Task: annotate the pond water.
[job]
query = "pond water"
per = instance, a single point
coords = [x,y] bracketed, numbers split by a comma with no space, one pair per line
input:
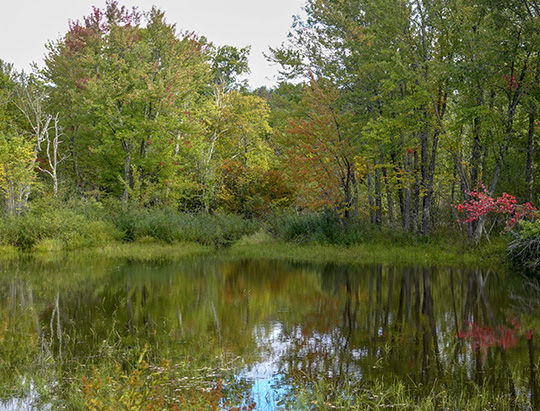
[267,325]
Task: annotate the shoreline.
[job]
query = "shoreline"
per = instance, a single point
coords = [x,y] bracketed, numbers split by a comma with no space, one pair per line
[261,245]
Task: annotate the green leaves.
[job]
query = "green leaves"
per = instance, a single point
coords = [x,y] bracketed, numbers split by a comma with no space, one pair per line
[17,171]
[130,88]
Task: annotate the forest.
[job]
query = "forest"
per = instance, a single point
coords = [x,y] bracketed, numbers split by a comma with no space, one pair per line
[408,117]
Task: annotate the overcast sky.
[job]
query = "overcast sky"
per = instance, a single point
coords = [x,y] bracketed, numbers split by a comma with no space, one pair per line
[27,25]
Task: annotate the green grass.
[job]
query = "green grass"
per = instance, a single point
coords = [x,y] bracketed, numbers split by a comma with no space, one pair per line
[447,252]
[115,231]
[326,394]
[444,251]
[148,251]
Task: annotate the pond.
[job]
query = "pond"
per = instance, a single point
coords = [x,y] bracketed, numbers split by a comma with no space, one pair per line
[221,333]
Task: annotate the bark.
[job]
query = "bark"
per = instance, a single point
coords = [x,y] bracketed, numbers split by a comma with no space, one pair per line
[127,172]
[428,186]
[415,195]
[529,176]
[378,197]
[475,156]
[389,200]
[371,202]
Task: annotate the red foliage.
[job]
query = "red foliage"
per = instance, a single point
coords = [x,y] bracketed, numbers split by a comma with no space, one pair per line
[483,337]
[481,203]
[511,82]
[319,155]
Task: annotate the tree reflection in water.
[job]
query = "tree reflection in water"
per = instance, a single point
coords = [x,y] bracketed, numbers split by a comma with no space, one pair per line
[432,329]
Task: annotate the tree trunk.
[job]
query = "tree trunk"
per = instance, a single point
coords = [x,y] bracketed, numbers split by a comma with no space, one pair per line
[428,186]
[529,176]
[127,173]
[378,197]
[370,195]
[415,195]
[389,200]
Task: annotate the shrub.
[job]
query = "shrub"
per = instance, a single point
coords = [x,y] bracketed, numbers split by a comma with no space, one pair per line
[63,224]
[22,231]
[524,246]
[169,226]
[251,191]
[323,228]
[220,229]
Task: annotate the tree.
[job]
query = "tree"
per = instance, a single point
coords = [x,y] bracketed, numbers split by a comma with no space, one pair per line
[17,171]
[494,71]
[421,75]
[126,90]
[378,55]
[30,98]
[235,127]
[318,153]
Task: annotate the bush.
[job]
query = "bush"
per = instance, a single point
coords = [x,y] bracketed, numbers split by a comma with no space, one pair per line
[71,225]
[324,228]
[168,226]
[220,229]
[524,246]
[67,224]
[22,231]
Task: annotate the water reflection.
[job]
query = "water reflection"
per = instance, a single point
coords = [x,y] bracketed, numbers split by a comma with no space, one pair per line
[287,322]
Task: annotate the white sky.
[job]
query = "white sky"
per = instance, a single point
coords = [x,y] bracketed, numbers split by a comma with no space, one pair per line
[27,25]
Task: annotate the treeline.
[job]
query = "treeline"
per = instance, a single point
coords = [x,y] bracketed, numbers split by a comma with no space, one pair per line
[397,111]
[424,102]
[125,107]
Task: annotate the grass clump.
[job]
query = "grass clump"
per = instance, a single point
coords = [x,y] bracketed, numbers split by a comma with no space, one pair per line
[52,225]
[379,248]
[169,226]
[142,379]
[524,245]
[321,228]
[331,394]
[157,387]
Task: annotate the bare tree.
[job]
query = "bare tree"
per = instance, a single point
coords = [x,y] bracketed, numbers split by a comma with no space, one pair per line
[30,101]
[53,158]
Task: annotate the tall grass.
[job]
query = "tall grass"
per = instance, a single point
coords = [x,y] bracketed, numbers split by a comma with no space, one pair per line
[524,245]
[51,224]
[328,394]
[168,226]
[321,228]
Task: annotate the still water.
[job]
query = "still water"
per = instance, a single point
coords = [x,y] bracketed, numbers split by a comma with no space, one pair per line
[268,325]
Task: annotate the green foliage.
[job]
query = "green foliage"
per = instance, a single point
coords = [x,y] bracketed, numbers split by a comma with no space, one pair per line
[168,226]
[55,224]
[218,229]
[524,246]
[322,228]
[409,105]
[326,394]
[229,62]
[252,191]
[129,89]
[68,224]
[21,231]
[17,170]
